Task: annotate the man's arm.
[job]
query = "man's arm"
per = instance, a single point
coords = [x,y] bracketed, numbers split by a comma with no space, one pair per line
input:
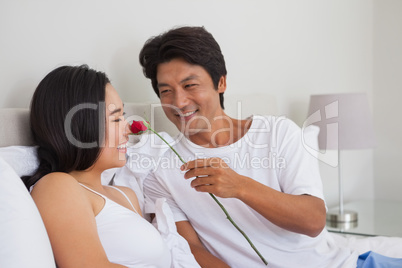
[297,213]
[201,254]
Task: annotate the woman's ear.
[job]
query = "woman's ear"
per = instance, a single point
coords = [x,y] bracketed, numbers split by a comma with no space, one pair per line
[222,84]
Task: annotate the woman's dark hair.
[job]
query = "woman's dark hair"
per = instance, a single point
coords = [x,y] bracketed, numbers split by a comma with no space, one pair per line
[193,44]
[67,120]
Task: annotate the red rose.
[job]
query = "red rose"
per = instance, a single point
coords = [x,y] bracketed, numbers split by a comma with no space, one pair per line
[138,127]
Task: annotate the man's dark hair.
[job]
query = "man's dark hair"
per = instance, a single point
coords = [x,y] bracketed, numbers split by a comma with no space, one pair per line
[195,45]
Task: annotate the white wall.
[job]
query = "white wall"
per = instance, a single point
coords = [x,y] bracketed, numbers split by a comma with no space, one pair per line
[289,48]
[387,98]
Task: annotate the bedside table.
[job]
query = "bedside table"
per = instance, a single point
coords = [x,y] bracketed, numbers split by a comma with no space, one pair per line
[375,218]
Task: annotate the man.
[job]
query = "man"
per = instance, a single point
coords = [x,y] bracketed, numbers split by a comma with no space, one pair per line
[279,206]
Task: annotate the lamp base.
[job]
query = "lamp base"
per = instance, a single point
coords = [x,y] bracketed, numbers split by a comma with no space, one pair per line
[342,226]
[345,217]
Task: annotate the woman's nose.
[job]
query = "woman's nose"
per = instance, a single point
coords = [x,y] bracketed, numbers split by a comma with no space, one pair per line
[126,128]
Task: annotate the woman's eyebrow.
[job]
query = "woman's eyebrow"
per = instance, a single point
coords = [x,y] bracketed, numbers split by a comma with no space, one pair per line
[118,110]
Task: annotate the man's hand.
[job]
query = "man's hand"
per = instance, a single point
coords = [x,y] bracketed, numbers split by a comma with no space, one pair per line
[297,213]
[214,176]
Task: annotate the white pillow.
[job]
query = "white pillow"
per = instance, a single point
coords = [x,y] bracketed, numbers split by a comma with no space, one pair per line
[23,238]
[22,159]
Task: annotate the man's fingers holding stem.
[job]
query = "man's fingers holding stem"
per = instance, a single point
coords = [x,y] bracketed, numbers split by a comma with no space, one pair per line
[215,162]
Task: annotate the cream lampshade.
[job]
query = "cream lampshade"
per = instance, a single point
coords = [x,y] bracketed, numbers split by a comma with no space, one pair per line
[345,124]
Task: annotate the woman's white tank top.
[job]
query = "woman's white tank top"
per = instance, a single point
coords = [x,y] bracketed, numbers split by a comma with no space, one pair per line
[127,238]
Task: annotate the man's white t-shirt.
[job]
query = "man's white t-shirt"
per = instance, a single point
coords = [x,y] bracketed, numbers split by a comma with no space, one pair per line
[272,153]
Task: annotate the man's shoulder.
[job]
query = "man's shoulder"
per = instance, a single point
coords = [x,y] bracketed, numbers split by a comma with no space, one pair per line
[272,124]
[272,120]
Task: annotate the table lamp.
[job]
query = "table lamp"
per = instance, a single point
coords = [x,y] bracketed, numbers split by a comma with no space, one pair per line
[345,124]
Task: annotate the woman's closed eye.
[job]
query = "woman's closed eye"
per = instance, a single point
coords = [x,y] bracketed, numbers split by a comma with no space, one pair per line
[120,118]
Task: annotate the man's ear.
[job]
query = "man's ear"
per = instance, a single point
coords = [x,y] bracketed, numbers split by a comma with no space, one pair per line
[222,84]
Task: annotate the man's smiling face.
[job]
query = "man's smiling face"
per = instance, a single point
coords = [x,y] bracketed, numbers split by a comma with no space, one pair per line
[188,96]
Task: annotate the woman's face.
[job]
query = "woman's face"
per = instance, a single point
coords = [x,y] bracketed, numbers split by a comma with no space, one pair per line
[114,150]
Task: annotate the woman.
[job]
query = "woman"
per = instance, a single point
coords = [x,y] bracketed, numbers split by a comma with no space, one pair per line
[77,122]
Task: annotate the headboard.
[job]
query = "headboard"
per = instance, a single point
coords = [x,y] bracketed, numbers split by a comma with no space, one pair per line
[14,127]
[15,121]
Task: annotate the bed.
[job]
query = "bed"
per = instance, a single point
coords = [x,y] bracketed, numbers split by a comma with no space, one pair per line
[23,238]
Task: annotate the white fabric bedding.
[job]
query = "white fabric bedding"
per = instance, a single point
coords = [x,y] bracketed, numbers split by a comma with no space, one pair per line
[22,160]
[387,246]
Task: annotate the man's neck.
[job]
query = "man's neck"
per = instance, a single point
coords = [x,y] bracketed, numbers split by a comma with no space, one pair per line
[224,132]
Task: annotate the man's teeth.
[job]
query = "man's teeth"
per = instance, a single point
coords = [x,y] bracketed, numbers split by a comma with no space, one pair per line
[189,113]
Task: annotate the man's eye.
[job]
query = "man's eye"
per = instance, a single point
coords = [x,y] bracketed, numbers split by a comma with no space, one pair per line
[164,91]
[190,85]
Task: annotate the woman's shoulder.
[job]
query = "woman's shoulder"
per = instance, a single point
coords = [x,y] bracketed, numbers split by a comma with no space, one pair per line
[56,182]
[57,178]
[61,193]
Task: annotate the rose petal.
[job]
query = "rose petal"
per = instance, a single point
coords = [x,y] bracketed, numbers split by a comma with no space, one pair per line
[138,127]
